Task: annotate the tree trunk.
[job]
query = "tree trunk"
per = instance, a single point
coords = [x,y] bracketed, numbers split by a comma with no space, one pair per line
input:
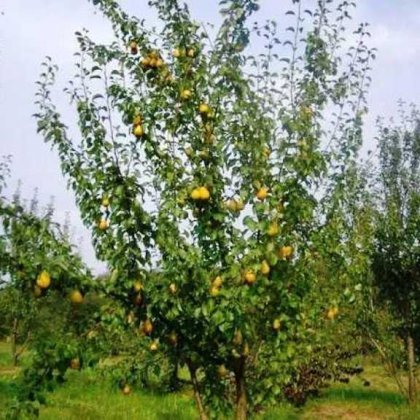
[411,369]
[197,395]
[13,341]
[241,401]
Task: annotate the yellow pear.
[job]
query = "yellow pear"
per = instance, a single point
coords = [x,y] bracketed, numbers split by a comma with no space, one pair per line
[75,364]
[147,327]
[237,338]
[130,317]
[44,280]
[105,202]
[133,47]
[204,109]
[186,94]
[138,130]
[234,205]
[76,297]
[273,229]
[267,152]
[230,205]
[173,338]
[332,313]
[204,154]
[217,282]
[196,194]
[265,267]
[276,324]
[286,252]
[145,61]
[137,286]
[204,193]
[103,224]
[126,390]
[222,372]
[250,277]
[262,193]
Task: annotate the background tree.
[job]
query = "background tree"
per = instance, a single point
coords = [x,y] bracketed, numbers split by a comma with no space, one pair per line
[35,250]
[206,166]
[396,262]
[4,175]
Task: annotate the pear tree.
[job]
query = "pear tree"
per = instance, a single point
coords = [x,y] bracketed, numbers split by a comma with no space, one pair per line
[42,293]
[396,257]
[203,160]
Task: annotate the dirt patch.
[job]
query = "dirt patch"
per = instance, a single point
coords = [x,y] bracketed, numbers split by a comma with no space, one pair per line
[8,371]
[343,413]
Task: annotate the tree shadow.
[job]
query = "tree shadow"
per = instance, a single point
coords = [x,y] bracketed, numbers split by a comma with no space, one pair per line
[366,395]
[7,389]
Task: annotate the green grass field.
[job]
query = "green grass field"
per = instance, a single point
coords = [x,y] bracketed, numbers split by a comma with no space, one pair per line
[85,397]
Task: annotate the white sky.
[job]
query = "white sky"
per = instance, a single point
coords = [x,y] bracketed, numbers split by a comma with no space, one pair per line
[32,29]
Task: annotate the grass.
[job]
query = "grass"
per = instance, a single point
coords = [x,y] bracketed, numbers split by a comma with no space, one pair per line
[83,394]
[4,354]
[380,400]
[86,397]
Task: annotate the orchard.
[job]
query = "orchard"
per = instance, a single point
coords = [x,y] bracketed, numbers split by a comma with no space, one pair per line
[218,171]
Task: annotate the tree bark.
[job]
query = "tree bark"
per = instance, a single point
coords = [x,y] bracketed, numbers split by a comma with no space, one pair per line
[241,400]
[197,395]
[411,369]
[13,341]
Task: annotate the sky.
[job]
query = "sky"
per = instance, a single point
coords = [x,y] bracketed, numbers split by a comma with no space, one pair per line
[33,29]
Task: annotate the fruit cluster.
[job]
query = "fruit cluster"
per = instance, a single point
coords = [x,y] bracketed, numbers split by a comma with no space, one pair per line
[200,194]
[152,60]
[183,52]
[138,129]
[43,282]
[103,223]
[234,205]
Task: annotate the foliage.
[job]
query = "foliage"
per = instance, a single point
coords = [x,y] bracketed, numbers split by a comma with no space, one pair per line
[35,244]
[397,257]
[396,260]
[42,275]
[205,176]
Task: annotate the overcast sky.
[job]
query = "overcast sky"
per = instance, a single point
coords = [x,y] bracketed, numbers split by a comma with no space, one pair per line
[32,29]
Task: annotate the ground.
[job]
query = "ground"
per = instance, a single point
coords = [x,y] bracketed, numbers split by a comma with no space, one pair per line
[85,396]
